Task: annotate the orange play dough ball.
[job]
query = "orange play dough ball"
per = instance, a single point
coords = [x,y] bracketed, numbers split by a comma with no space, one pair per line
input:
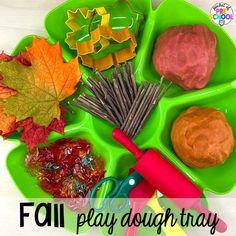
[202,137]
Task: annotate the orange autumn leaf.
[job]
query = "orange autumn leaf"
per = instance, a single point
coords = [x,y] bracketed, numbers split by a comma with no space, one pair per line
[60,78]
[42,85]
[5,91]
[32,84]
[7,124]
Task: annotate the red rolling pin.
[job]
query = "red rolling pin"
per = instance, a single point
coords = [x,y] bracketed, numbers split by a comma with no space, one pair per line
[166,178]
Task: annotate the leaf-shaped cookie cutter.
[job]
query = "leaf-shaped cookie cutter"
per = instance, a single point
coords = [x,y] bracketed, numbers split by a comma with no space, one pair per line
[87,14]
[103,34]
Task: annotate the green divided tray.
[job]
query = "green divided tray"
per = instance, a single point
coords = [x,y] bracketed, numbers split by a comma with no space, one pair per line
[220,93]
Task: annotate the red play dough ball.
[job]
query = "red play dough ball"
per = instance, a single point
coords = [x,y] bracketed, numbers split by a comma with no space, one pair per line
[186,55]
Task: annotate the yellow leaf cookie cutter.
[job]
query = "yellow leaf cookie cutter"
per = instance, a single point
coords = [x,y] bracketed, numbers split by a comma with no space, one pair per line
[87,14]
[103,34]
[112,58]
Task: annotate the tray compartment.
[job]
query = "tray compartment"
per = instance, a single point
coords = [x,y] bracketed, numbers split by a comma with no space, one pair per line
[178,12]
[218,98]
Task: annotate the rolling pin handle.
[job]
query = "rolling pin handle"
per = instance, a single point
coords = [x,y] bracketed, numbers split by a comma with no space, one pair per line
[221,226]
[126,142]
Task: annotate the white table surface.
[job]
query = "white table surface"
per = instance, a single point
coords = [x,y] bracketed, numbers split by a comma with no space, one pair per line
[19,18]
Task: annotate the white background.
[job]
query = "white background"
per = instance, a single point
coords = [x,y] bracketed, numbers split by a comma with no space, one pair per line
[23,17]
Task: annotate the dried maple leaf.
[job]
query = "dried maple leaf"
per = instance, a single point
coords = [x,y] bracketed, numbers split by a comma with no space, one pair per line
[41,86]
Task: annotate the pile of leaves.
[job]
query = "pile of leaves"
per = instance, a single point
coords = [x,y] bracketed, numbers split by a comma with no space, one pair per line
[66,169]
[32,85]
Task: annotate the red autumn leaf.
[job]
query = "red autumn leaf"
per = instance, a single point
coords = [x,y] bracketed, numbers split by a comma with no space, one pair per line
[5,57]
[22,57]
[58,125]
[33,134]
